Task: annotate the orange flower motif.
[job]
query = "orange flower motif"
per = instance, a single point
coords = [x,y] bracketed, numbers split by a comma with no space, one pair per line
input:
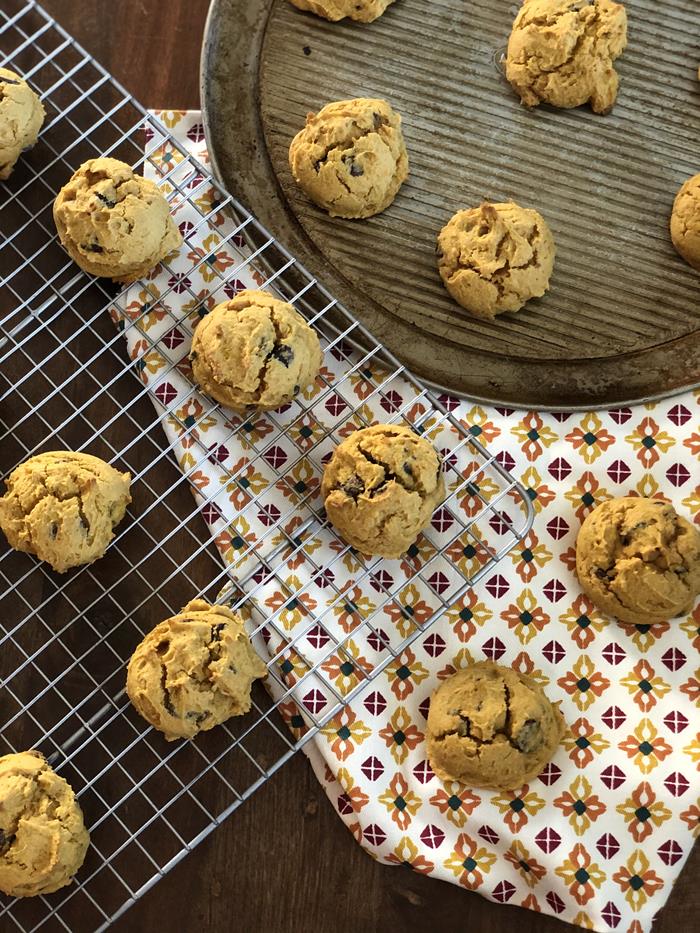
[586,494]
[517,806]
[242,541]
[402,803]
[692,504]
[459,662]
[146,309]
[401,735]
[538,492]
[644,637]
[580,805]
[525,617]
[291,665]
[346,668]
[467,555]
[590,438]
[691,687]
[531,903]
[407,609]
[294,721]
[693,443]
[568,559]
[406,853]
[480,488]
[211,261]
[583,683]
[467,614]
[291,609]
[198,307]
[646,747]
[405,673]
[529,868]
[306,432]
[529,557]
[644,686]
[344,732]
[417,556]
[691,818]
[354,796]
[581,874]
[691,627]
[583,743]
[642,811]
[533,435]
[524,664]
[353,608]
[301,484]
[637,881]
[692,750]
[583,620]
[456,802]
[476,421]
[469,862]
[647,439]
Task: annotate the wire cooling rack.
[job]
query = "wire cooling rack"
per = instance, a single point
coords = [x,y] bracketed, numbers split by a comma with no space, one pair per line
[66,381]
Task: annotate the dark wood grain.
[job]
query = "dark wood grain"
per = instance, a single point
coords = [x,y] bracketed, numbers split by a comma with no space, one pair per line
[283,861]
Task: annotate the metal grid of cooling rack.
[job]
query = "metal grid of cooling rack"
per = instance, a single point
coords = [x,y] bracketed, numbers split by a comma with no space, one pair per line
[66,381]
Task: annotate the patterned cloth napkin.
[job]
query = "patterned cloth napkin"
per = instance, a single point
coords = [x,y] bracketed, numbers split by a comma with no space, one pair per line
[599,837]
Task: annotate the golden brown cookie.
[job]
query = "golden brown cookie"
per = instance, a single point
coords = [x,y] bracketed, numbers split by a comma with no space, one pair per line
[351,158]
[381,487]
[114,223]
[638,560]
[43,839]
[21,117]
[254,350]
[561,52]
[363,11]
[685,222]
[193,671]
[63,507]
[496,257]
[489,726]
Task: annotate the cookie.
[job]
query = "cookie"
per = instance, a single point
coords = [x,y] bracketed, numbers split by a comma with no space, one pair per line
[685,222]
[63,507]
[193,671]
[638,560]
[351,158]
[562,52]
[363,11]
[489,726]
[381,487]
[43,839]
[114,223]
[496,257]
[254,350]
[21,117]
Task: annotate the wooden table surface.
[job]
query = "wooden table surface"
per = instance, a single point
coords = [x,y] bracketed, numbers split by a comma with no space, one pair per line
[284,861]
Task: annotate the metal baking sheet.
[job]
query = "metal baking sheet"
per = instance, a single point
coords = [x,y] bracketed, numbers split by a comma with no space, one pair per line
[622,320]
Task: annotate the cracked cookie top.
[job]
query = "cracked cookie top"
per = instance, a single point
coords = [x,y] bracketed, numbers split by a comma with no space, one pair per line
[489,726]
[254,350]
[114,223]
[362,11]
[638,560]
[561,52]
[381,487]
[43,839]
[495,257]
[21,117]
[63,507]
[193,671]
[685,222]
[351,158]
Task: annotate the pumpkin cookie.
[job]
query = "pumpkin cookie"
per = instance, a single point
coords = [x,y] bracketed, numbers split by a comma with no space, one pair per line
[363,11]
[685,222]
[63,507]
[638,560]
[21,117]
[562,52]
[114,223]
[381,487]
[351,158]
[254,350]
[193,671]
[496,257]
[43,839]
[490,726]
